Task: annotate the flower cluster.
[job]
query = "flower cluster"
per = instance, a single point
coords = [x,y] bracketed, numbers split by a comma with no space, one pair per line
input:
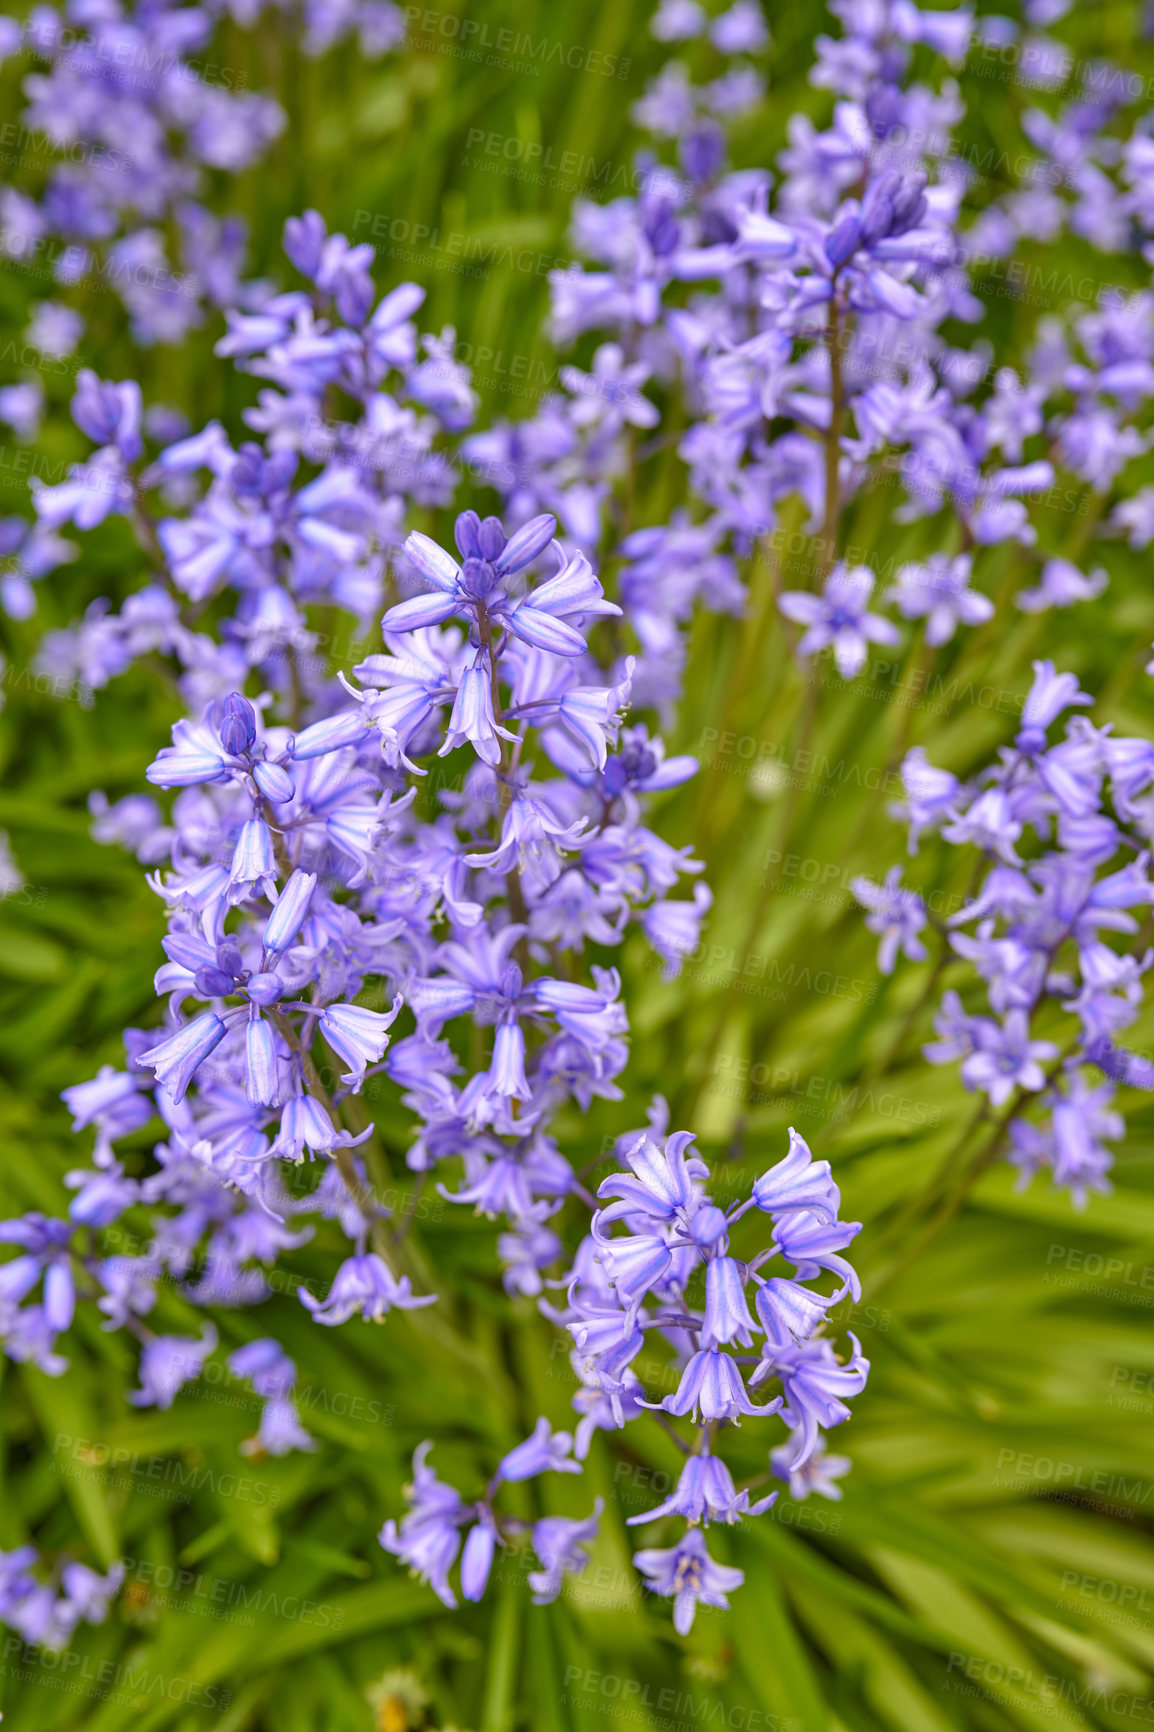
[416,856]
[142,106]
[673,1272]
[1053,927]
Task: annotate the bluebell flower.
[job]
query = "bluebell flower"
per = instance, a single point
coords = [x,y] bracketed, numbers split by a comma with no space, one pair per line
[705,1492]
[177,1059]
[280,1431]
[544,1451]
[558,1542]
[818,1473]
[798,1182]
[839,618]
[688,1573]
[711,1386]
[727,1315]
[1005,1058]
[305,1124]
[788,1311]
[477,1558]
[364,1285]
[1061,585]
[289,912]
[266,1365]
[358,1036]
[896,914]
[168,1362]
[429,1536]
[930,794]
[812,1242]
[988,823]
[817,1388]
[477,586]
[663,1183]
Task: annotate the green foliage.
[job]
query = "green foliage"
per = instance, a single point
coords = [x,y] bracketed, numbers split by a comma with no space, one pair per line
[989,1567]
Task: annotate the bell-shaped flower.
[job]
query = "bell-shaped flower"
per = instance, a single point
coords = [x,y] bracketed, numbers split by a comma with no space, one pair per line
[177,1059]
[711,1386]
[727,1315]
[798,1182]
[358,1036]
[364,1285]
[705,1492]
[688,1573]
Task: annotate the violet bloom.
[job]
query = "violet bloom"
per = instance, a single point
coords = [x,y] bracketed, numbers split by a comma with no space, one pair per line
[817,1473]
[711,1385]
[477,1558]
[167,1363]
[1062,584]
[705,1492]
[938,592]
[1005,1058]
[177,1059]
[1050,694]
[358,1036]
[429,1536]
[688,1573]
[544,1451]
[839,619]
[930,794]
[727,1315]
[558,1542]
[476,589]
[816,1387]
[896,915]
[364,1284]
[797,1181]
[989,824]
[280,1431]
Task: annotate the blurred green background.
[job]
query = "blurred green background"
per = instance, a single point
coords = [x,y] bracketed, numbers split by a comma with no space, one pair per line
[990,1565]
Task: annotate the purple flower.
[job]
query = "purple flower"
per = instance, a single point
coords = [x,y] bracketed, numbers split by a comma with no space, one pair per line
[477,1559]
[1005,1058]
[817,1388]
[558,1542]
[177,1059]
[167,1363]
[938,592]
[896,915]
[727,1315]
[688,1573]
[817,1473]
[364,1285]
[838,618]
[798,1182]
[358,1036]
[711,1385]
[429,1536]
[1062,584]
[704,1493]
[476,589]
[545,1451]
